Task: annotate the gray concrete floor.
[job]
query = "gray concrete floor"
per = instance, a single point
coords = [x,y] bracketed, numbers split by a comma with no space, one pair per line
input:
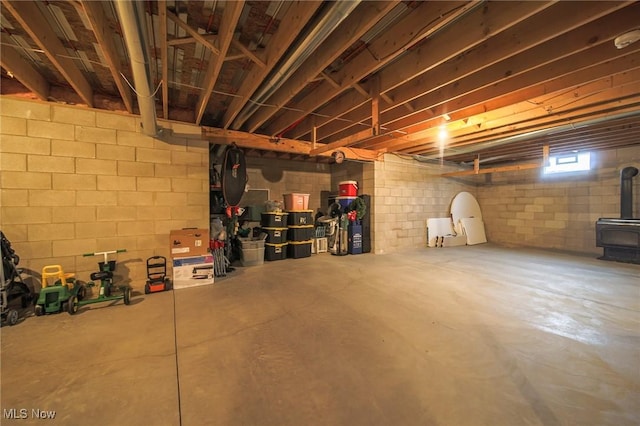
[479,335]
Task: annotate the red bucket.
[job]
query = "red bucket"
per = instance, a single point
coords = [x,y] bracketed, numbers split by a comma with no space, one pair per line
[348,188]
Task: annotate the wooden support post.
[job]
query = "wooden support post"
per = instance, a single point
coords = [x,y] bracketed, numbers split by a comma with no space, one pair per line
[375,106]
[545,155]
[476,165]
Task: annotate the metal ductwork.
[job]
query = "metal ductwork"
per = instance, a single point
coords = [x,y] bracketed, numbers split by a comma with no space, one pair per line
[305,48]
[133,24]
[626,192]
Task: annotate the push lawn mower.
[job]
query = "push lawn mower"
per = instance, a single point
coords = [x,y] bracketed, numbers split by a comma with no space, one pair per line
[105,286]
[157,279]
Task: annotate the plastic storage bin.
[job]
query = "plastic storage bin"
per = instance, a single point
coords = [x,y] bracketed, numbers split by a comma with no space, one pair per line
[249,243]
[276,235]
[300,233]
[275,251]
[296,201]
[300,218]
[252,256]
[299,249]
[274,220]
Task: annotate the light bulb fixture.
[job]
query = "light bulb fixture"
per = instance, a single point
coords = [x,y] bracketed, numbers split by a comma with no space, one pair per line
[627,38]
[443,134]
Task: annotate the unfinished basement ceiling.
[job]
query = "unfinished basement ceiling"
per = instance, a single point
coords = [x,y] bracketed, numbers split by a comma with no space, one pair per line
[303,79]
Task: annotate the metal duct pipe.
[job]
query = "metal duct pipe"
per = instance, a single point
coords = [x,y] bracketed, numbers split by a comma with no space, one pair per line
[626,192]
[133,24]
[320,31]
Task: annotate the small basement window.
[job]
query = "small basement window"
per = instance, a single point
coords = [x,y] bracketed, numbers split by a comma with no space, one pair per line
[575,162]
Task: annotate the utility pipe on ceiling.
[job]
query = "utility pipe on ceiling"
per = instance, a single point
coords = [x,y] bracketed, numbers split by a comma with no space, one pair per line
[312,40]
[134,31]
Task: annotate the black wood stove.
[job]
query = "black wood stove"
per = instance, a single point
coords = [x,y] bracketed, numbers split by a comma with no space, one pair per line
[620,238]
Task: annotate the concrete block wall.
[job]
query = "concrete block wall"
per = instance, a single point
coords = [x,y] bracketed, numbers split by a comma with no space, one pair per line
[284,176]
[406,194]
[77,180]
[560,211]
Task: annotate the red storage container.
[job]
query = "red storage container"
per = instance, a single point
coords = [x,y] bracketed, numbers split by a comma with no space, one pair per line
[348,188]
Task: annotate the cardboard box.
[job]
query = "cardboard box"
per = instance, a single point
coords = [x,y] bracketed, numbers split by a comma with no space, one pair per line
[192,271]
[189,242]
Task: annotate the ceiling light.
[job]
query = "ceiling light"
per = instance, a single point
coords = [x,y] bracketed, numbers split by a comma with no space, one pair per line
[443,134]
[627,38]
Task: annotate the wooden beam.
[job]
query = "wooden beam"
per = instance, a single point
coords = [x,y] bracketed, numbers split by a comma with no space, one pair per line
[545,155]
[234,57]
[413,62]
[20,68]
[330,80]
[531,43]
[104,36]
[339,113]
[540,126]
[553,77]
[350,140]
[291,24]
[539,28]
[350,30]
[249,54]
[383,50]
[189,40]
[523,69]
[36,25]
[164,57]
[582,102]
[375,106]
[553,106]
[193,33]
[228,24]
[266,143]
[314,141]
[500,169]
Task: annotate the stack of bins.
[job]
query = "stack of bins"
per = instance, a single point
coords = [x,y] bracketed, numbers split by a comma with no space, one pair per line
[274,225]
[300,233]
